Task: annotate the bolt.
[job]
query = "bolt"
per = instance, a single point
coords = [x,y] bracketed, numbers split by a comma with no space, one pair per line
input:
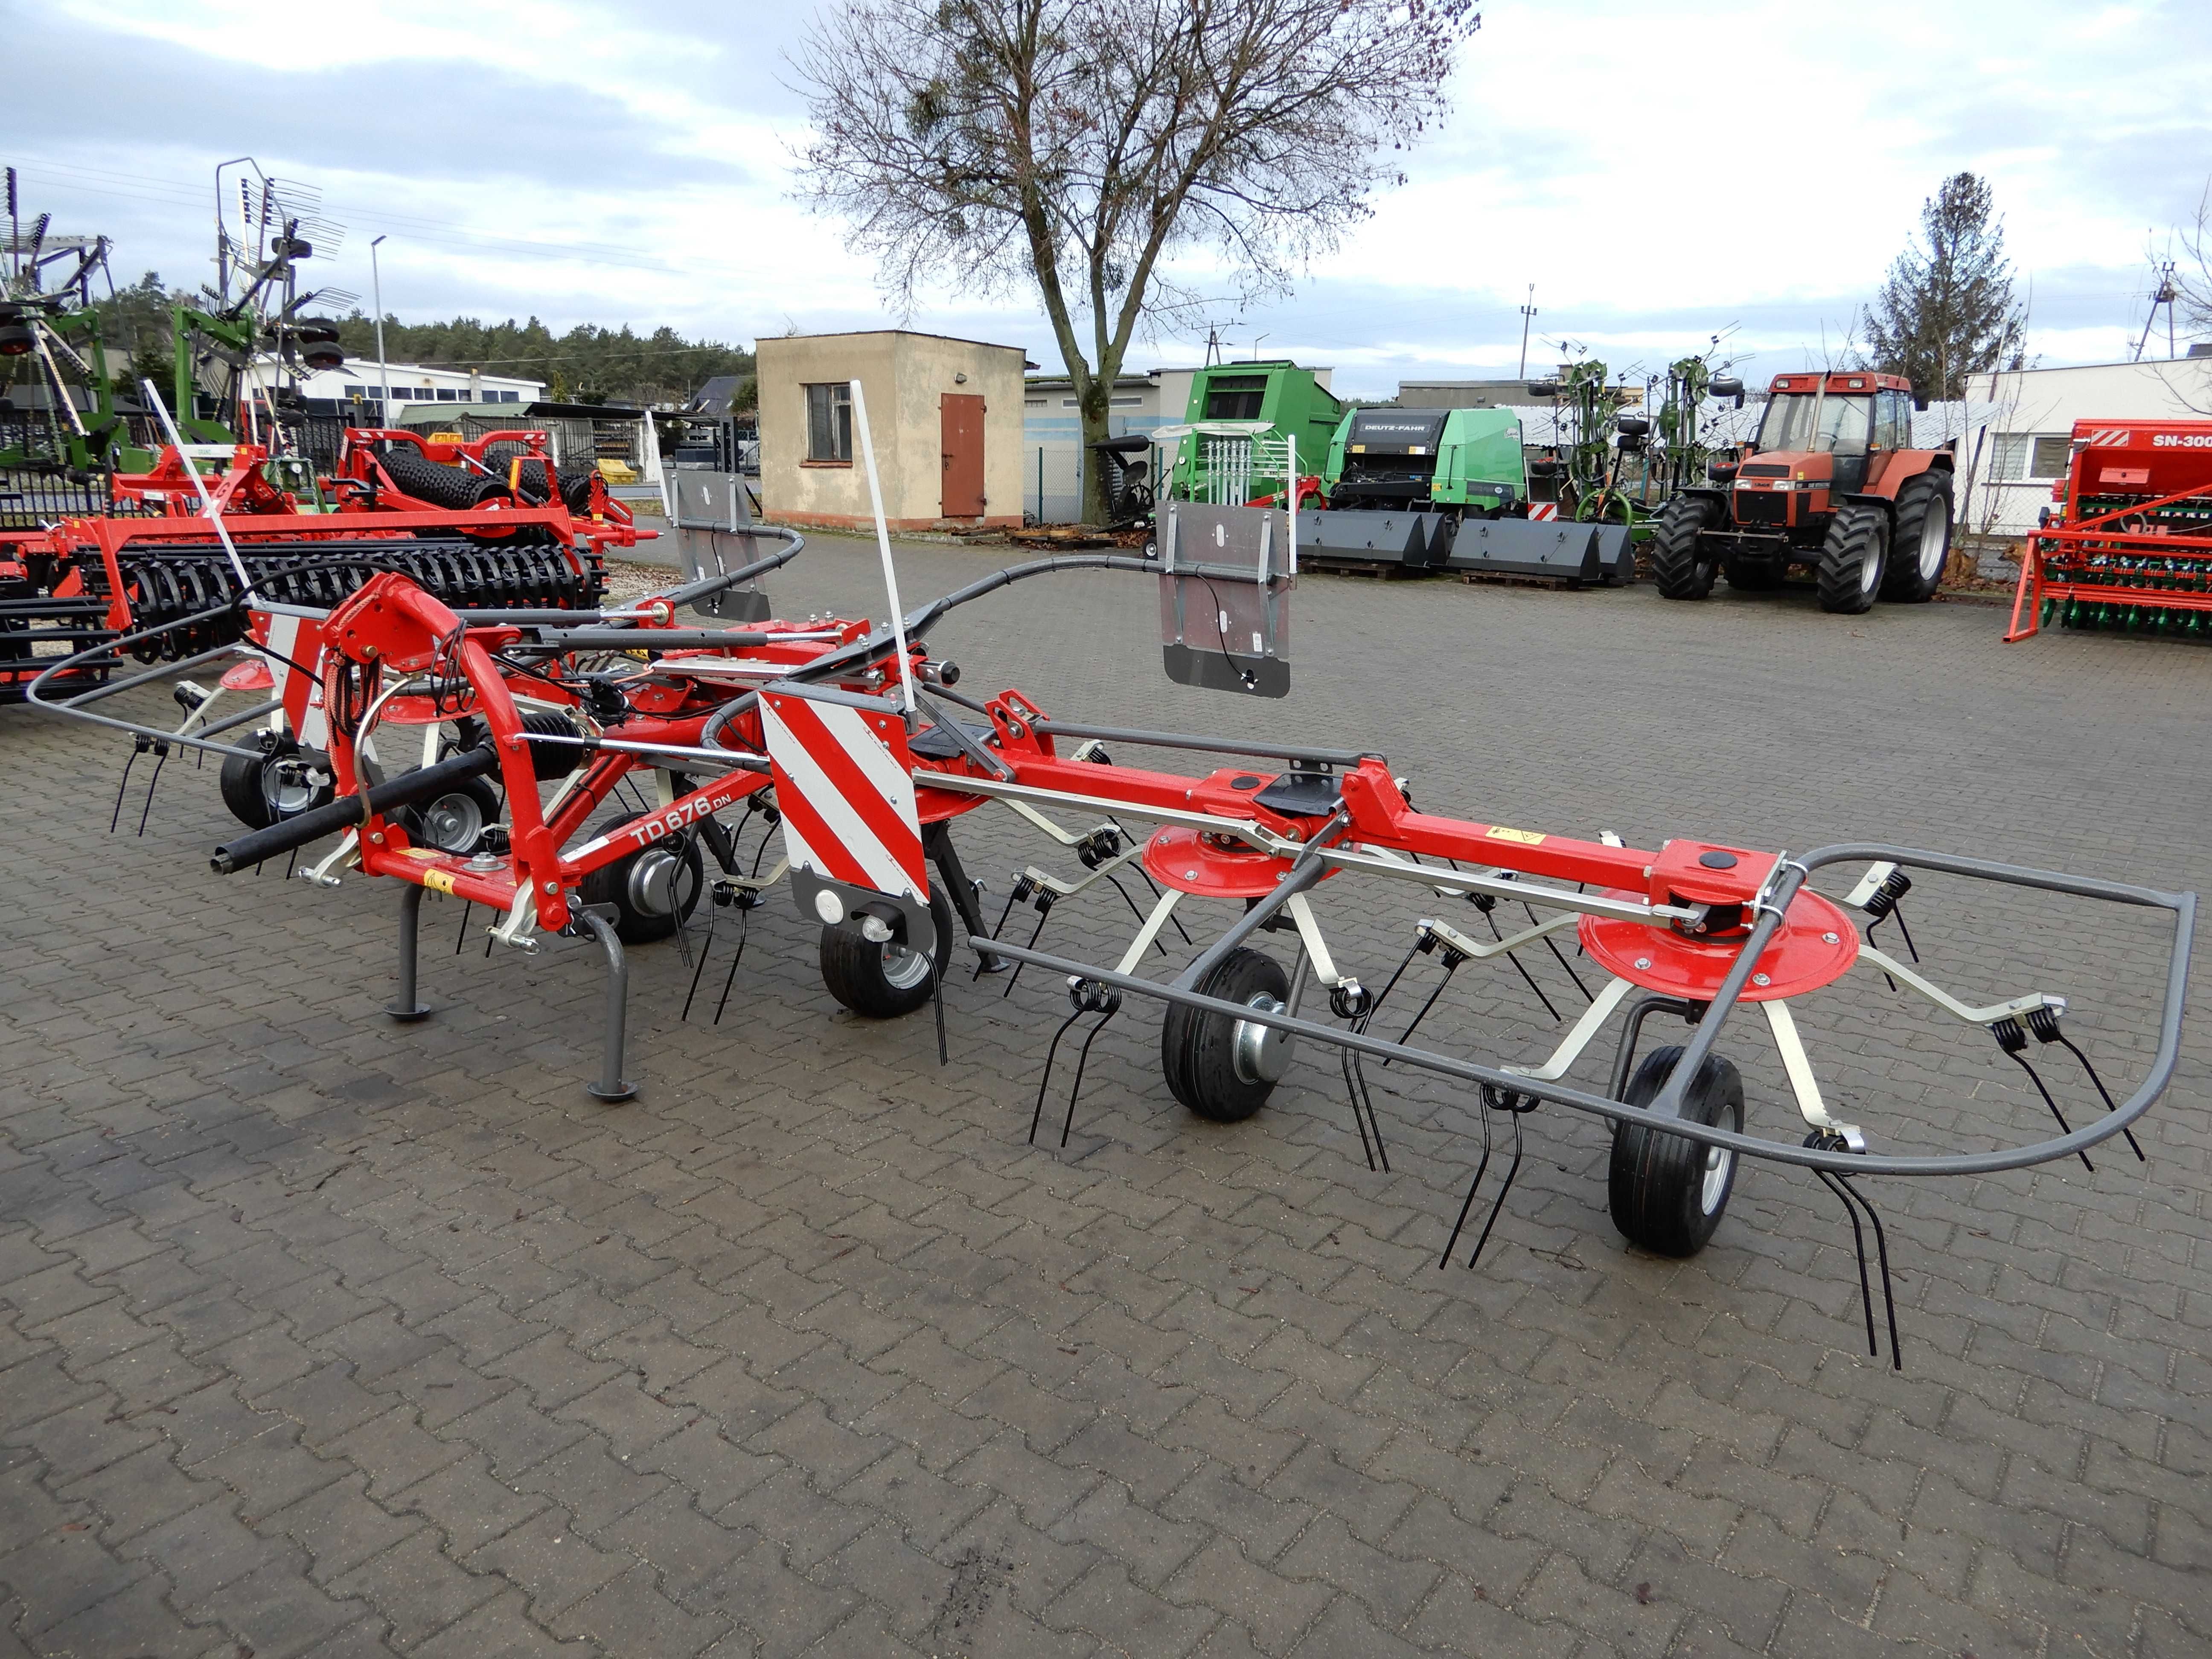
[377,839]
[1827,939]
[1760,979]
[1644,962]
[552,886]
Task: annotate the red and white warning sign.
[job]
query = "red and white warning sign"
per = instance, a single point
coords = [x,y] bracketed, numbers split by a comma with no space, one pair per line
[293,640]
[844,781]
[1540,511]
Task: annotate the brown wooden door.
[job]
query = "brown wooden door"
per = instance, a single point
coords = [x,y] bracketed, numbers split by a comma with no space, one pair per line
[961,416]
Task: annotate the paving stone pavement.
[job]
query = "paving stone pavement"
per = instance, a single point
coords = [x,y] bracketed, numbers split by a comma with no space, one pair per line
[324,1335]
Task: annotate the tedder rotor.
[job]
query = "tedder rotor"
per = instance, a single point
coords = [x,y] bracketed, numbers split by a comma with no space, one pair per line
[853,741]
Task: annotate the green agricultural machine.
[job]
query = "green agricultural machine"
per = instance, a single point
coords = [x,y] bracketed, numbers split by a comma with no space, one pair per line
[1230,447]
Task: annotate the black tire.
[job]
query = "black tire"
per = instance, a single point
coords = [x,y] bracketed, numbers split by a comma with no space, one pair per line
[631,883]
[258,793]
[427,480]
[1221,1072]
[1681,566]
[1921,546]
[1754,575]
[453,822]
[1853,558]
[1666,1193]
[883,981]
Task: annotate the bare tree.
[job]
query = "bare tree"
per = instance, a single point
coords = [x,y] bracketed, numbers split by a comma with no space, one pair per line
[1946,309]
[1080,149]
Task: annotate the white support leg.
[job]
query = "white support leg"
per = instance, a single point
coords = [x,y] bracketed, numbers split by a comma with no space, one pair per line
[1571,1046]
[1802,1082]
[1150,931]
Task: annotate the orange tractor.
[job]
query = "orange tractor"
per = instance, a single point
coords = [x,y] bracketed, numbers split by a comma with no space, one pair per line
[1832,482]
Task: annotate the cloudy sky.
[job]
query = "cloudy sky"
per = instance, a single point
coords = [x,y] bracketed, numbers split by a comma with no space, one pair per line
[1660,171]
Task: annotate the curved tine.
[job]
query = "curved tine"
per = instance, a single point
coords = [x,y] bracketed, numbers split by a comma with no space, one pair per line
[1045,1082]
[980,959]
[1449,970]
[700,966]
[1473,1187]
[1115,882]
[1036,933]
[1497,1204]
[2033,1077]
[1390,984]
[1082,1060]
[1359,1122]
[1881,1248]
[2104,1093]
[1557,954]
[1367,1099]
[1858,1240]
[744,926]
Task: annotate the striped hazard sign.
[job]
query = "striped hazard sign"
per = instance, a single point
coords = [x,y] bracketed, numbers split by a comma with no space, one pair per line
[844,782]
[1540,511]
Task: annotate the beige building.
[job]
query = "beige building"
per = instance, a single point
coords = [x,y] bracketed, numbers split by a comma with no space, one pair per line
[946,417]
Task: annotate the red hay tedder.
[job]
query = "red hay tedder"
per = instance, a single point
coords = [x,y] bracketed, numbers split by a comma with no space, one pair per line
[853,739]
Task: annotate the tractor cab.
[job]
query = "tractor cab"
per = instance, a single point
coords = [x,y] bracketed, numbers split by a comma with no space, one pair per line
[1823,433]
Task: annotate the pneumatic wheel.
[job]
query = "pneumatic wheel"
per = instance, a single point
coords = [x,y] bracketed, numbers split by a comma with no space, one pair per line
[454,821]
[1853,558]
[1682,568]
[1666,1193]
[654,890]
[1224,1069]
[264,789]
[1922,544]
[883,981]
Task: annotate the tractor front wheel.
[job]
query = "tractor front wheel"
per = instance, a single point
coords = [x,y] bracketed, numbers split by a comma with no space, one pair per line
[1666,1194]
[1681,567]
[1853,558]
[1922,546]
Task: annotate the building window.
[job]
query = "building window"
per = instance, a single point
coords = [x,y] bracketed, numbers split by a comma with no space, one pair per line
[830,424]
[447,394]
[2017,457]
[1124,403]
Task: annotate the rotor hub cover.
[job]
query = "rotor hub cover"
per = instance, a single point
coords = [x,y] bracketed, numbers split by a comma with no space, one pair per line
[1814,946]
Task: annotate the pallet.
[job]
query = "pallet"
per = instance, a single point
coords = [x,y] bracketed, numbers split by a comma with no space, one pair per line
[1388,573]
[1553,584]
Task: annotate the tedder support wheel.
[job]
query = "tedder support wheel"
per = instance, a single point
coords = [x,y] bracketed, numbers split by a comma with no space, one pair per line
[1222,1069]
[1922,544]
[883,981]
[1853,558]
[1666,1193]
[455,821]
[1682,568]
[264,789]
[652,890]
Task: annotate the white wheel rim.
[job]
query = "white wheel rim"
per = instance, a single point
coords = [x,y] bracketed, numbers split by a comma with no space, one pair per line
[1870,567]
[903,969]
[286,798]
[1933,537]
[453,822]
[1719,1165]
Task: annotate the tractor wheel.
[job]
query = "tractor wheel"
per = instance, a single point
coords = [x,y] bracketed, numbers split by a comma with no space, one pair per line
[455,821]
[1681,567]
[259,791]
[1853,558]
[652,890]
[1923,544]
[1224,1069]
[1666,1194]
[882,982]
[1754,575]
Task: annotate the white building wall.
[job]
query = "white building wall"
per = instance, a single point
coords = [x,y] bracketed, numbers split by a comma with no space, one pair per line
[2031,420]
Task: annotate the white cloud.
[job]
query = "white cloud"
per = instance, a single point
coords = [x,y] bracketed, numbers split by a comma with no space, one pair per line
[1660,172]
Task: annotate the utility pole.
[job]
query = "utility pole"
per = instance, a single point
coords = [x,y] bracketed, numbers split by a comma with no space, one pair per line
[2163,295]
[1527,315]
[383,369]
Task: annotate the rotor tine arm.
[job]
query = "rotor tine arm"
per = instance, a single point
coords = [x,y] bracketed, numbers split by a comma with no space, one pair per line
[2011,1040]
[1497,1204]
[1858,1239]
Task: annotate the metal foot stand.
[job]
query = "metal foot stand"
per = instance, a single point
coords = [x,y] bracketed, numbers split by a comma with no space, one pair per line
[406,1010]
[1519,1106]
[611,1085]
[1087,998]
[1853,1201]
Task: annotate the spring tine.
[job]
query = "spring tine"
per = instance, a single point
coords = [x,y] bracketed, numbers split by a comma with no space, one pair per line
[1083,1059]
[1871,926]
[1497,1204]
[116,816]
[2064,1127]
[1898,910]
[461,939]
[2104,1092]
[1367,1098]
[1881,1248]
[1044,914]
[1115,882]
[1450,967]
[1045,1082]
[1556,956]
[996,932]
[161,760]
[1473,1187]
[290,859]
[1359,1122]
[1858,1240]
[1391,984]
[698,967]
[937,1000]
[744,926]
[1522,969]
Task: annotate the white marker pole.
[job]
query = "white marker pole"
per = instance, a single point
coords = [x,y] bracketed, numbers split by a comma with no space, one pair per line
[884,543]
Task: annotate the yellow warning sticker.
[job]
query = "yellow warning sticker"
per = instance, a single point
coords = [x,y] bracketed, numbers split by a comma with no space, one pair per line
[438,881]
[1526,837]
[420,851]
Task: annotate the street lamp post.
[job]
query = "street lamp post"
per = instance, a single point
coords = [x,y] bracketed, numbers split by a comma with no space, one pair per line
[383,369]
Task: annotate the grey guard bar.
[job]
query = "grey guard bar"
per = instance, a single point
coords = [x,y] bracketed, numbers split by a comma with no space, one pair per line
[1664,1113]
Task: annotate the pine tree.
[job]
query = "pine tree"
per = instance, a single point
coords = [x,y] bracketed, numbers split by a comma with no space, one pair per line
[1946,309]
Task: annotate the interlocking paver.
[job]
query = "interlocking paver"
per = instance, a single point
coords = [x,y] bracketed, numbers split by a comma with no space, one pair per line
[322,1335]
